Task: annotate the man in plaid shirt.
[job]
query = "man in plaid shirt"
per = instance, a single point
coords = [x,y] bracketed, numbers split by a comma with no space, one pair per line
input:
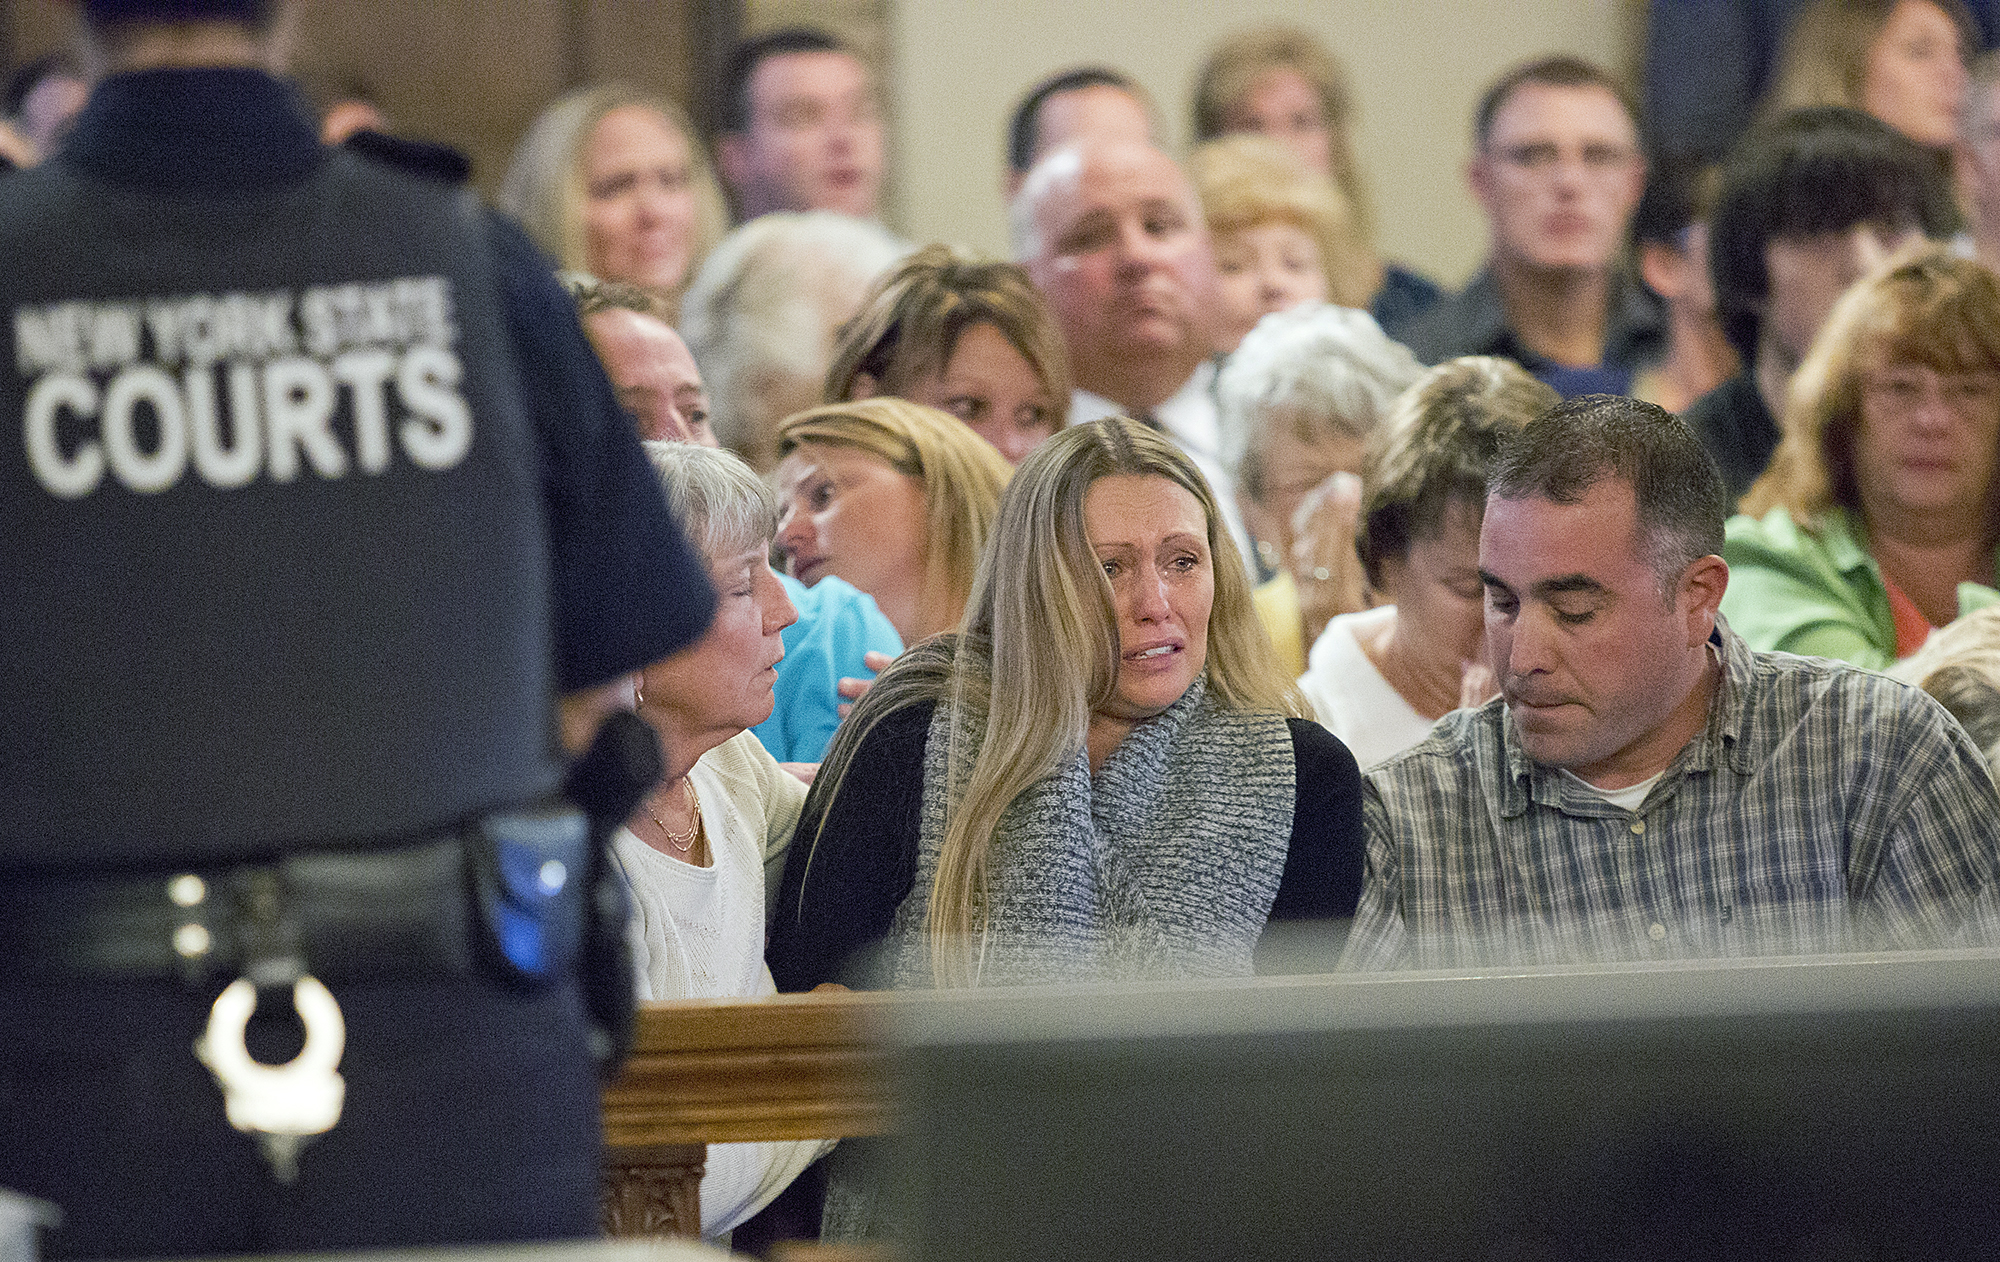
[1645,786]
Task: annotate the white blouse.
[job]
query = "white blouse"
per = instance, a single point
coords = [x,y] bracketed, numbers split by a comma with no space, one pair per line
[1350,696]
[698,933]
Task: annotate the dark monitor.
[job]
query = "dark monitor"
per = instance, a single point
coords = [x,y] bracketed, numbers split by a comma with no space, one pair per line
[1827,1108]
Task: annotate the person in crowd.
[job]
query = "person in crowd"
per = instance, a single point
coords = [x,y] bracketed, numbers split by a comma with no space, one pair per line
[650,367]
[284,797]
[1806,205]
[41,99]
[1557,170]
[1978,160]
[1104,774]
[1282,236]
[1879,517]
[1299,399]
[1670,241]
[1647,786]
[613,182]
[343,100]
[966,335]
[696,851]
[1902,61]
[893,497]
[1282,83]
[800,127]
[762,314]
[1113,236]
[1960,666]
[1379,679]
[1087,101]
[839,638]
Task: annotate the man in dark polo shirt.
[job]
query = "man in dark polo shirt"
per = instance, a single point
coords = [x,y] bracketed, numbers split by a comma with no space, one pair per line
[1557,169]
[320,514]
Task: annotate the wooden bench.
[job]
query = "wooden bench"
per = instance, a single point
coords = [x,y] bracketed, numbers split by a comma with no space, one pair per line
[706,1071]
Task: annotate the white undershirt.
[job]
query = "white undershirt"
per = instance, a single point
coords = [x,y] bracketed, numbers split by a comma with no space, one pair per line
[1625,799]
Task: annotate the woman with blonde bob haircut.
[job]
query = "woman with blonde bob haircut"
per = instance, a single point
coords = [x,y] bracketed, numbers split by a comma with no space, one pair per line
[1104,774]
[1880,514]
[893,497]
[1283,236]
[612,182]
[967,335]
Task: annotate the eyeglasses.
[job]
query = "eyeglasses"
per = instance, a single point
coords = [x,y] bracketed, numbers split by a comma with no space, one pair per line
[1912,385]
[1545,158]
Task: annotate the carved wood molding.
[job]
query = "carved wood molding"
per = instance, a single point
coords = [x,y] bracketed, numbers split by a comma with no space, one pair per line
[722,1071]
[654,1191]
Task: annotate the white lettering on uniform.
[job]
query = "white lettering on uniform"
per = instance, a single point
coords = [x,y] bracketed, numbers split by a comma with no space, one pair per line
[366,376]
[232,464]
[67,476]
[140,470]
[136,388]
[428,382]
[298,409]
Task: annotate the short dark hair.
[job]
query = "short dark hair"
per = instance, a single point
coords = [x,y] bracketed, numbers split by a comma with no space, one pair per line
[1823,169]
[1579,443]
[1679,190]
[1560,71]
[1026,118]
[734,98]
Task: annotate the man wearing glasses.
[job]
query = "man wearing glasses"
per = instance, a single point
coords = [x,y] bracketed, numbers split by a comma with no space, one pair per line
[1557,169]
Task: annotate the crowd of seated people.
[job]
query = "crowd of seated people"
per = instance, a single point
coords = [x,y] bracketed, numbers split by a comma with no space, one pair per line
[1197,569]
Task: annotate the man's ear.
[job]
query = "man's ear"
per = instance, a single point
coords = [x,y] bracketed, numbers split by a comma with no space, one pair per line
[1479,178]
[864,386]
[1700,595]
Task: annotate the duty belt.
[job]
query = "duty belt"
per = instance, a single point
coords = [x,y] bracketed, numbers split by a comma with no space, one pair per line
[502,898]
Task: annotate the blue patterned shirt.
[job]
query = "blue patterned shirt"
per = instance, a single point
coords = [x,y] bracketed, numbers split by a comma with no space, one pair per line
[1822,808]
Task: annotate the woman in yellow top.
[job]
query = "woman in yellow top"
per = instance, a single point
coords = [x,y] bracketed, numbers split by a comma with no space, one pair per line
[1879,516]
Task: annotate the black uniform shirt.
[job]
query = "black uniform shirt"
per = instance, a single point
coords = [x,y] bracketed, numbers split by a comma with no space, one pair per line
[606,582]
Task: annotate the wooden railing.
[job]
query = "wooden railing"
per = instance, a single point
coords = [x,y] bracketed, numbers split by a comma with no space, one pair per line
[706,1071]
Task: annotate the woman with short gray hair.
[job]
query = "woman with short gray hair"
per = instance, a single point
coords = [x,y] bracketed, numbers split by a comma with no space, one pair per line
[696,850]
[1379,678]
[1298,400]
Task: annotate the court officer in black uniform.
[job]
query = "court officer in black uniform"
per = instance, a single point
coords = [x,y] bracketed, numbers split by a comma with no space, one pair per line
[314,504]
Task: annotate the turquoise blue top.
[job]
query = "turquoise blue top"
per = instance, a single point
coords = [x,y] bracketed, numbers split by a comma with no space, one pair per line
[837,624]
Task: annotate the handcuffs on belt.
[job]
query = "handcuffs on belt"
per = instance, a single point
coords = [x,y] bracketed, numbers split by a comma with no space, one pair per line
[281,1105]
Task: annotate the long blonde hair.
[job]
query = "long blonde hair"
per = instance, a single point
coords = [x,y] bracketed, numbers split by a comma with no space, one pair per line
[961,473]
[544,185]
[1039,653]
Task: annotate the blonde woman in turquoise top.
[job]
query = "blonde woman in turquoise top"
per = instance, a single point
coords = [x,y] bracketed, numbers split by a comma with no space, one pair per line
[1879,517]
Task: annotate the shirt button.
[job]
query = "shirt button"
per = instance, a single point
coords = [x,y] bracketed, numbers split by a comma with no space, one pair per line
[1658,932]
[1639,827]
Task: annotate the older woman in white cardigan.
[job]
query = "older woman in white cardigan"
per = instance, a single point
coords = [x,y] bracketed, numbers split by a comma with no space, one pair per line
[696,850]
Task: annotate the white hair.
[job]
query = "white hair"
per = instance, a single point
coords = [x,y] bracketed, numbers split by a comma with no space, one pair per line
[1062,164]
[1320,364]
[1959,665]
[719,501]
[761,316]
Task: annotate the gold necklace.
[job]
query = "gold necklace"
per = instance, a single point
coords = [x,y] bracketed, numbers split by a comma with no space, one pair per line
[681,842]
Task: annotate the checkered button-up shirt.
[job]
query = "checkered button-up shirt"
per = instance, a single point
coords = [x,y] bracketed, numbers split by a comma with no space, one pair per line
[1822,808]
